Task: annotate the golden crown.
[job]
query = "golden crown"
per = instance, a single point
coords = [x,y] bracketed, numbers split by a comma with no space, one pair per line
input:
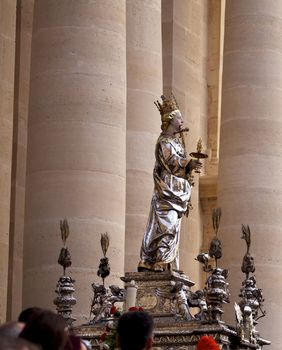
[168,105]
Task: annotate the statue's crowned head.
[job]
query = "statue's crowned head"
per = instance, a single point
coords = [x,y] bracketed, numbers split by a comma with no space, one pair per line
[167,108]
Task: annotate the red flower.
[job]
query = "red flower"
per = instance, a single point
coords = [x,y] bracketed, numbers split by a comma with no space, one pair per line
[133,308]
[207,343]
[103,337]
[113,310]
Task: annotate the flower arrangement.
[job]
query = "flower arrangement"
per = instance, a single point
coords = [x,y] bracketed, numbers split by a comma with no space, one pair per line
[108,340]
[207,343]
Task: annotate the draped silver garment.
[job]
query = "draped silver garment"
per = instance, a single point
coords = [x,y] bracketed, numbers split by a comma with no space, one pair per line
[169,202]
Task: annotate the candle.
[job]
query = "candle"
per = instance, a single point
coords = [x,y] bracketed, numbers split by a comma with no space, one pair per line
[131,292]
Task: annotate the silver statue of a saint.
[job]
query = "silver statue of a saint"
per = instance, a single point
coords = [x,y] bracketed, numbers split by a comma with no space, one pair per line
[172,191]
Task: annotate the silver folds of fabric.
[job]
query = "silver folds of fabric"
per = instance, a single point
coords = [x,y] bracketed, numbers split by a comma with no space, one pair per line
[169,203]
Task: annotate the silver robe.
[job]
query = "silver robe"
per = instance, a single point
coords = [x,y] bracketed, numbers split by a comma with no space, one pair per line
[169,203]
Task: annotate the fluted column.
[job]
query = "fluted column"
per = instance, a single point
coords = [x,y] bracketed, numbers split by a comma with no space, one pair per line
[144,86]
[250,182]
[7,66]
[76,145]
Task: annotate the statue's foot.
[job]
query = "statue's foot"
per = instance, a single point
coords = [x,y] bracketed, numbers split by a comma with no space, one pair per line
[181,272]
[159,267]
[143,266]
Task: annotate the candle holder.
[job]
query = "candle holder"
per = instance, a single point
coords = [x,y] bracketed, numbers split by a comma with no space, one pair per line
[198,154]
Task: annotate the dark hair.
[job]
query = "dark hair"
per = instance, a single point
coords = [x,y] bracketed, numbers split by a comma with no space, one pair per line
[26,314]
[47,329]
[134,328]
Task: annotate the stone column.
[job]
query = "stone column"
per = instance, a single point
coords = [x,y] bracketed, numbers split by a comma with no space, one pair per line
[76,145]
[7,66]
[208,183]
[21,98]
[144,86]
[184,29]
[214,78]
[250,150]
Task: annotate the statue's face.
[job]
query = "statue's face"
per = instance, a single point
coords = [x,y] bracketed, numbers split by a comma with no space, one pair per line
[177,121]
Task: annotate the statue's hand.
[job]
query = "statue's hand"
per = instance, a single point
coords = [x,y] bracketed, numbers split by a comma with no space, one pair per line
[193,165]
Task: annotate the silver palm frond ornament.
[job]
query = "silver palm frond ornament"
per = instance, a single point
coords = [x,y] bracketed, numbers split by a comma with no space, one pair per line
[246,236]
[104,266]
[248,264]
[65,230]
[216,215]
[65,286]
[251,296]
[105,242]
[64,258]
[215,250]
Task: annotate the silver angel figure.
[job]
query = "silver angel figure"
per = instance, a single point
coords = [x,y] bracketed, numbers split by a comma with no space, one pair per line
[172,191]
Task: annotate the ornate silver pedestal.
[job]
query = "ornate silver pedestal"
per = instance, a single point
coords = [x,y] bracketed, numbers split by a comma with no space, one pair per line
[171,335]
[159,293]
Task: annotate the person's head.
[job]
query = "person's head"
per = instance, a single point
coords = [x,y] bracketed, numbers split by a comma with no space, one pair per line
[11,329]
[46,329]
[172,120]
[170,114]
[26,314]
[8,343]
[207,343]
[135,330]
